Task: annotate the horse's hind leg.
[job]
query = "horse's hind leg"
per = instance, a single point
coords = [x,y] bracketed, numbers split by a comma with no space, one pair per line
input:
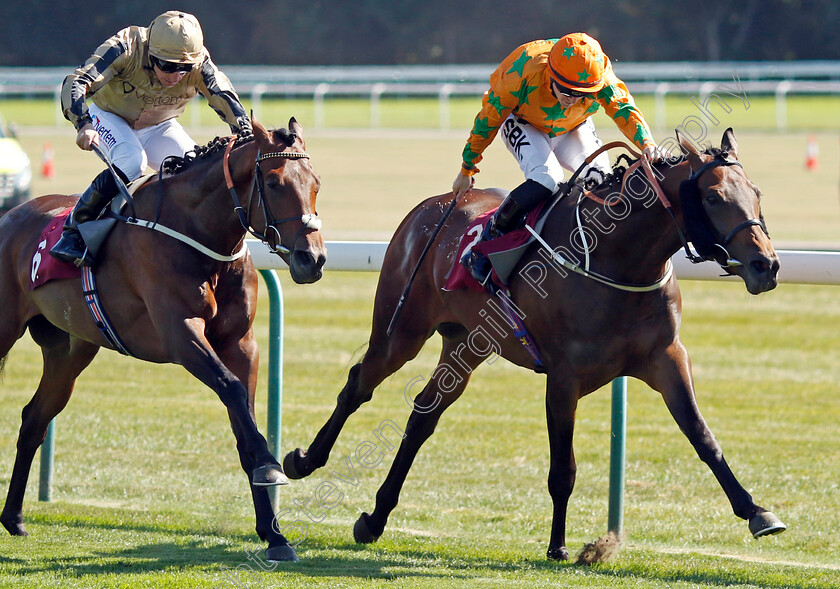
[384,356]
[64,359]
[444,388]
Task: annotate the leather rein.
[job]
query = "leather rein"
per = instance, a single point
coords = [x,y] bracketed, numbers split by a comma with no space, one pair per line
[720,255]
[310,220]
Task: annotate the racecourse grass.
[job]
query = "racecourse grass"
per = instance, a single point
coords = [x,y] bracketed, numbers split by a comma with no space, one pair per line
[148,490]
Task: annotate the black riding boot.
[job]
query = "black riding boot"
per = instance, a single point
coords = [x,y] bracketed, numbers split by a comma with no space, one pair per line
[508,216]
[71,248]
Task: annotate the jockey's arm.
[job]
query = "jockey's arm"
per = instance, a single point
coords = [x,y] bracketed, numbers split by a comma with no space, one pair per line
[221,96]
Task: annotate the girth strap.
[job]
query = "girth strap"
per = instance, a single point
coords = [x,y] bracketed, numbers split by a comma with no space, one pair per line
[100,318]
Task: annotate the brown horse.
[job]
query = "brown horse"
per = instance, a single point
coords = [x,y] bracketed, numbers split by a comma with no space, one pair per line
[168,301]
[587,332]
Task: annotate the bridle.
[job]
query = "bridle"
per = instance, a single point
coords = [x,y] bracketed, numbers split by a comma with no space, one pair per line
[709,243]
[309,220]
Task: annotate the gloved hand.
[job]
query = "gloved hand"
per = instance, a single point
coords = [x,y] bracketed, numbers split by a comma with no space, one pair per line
[244,124]
[462,184]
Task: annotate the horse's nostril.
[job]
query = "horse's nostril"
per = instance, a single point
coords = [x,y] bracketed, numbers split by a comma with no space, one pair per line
[322,259]
[765,266]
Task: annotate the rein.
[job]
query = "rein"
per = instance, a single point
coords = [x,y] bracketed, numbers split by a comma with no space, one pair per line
[715,250]
[310,221]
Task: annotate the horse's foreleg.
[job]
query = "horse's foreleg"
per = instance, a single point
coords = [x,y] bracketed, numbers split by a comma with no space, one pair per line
[560,403]
[64,360]
[384,356]
[672,378]
[242,359]
[192,350]
[444,388]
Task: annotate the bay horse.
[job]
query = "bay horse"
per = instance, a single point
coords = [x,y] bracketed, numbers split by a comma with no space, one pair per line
[587,332]
[169,302]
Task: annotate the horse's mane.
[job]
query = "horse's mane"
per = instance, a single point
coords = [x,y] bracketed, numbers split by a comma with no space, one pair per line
[200,153]
[614,178]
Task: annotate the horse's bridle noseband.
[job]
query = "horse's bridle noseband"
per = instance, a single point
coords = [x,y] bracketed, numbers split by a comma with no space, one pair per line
[310,220]
[715,250]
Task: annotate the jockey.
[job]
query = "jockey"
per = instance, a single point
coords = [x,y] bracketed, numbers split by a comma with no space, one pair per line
[139,81]
[541,97]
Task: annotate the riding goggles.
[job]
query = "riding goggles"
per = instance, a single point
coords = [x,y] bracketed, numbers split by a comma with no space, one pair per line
[170,67]
[568,91]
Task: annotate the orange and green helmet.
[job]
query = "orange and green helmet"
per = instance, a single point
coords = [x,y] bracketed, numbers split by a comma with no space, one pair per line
[577,62]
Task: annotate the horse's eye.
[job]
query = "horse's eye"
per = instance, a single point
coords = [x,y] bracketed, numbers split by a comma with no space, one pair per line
[272,182]
[713,198]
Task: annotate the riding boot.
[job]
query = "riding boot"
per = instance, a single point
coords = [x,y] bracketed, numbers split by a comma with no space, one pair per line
[510,214]
[71,247]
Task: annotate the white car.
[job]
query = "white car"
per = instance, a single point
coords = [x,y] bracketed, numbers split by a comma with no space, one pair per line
[15,172]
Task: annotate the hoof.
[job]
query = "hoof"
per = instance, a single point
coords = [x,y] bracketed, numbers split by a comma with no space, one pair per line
[295,464]
[269,475]
[764,524]
[14,526]
[282,553]
[361,531]
[560,553]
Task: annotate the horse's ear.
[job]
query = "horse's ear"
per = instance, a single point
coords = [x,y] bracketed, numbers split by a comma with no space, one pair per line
[687,146]
[258,128]
[728,143]
[297,129]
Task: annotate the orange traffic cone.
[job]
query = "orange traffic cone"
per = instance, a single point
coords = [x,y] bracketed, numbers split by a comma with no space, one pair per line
[812,154]
[48,161]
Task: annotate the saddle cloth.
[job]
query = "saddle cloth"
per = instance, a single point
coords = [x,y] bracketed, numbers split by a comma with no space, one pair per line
[44,267]
[503,252]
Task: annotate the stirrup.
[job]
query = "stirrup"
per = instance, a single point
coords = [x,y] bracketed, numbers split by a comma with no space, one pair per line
[73,250]
[478,265]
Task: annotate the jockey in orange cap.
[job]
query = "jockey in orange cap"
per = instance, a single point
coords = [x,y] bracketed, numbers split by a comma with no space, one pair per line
[541,97]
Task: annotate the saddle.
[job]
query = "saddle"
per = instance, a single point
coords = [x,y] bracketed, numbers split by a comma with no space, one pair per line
[45,268]
[504,252]
[95,232]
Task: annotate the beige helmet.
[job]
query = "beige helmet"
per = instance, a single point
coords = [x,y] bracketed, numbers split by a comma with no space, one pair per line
[176,36]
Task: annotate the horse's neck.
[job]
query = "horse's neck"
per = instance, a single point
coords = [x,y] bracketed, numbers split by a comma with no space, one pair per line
[197,202]
[636,234]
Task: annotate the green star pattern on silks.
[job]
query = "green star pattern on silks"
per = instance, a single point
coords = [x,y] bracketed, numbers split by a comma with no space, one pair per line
[555,112]
[624,111]
[519,65]
[608,93]
[482,128]
[569,52]
[524,92]
[495,101]
[641,134]
[555,131]
[593,108]
[583,76]
[468,155]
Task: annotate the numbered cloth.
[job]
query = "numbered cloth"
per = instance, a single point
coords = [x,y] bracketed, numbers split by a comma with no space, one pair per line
[504,252]
[44,267]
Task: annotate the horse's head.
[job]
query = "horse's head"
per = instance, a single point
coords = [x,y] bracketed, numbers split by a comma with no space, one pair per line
[288,187]
[722,215]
